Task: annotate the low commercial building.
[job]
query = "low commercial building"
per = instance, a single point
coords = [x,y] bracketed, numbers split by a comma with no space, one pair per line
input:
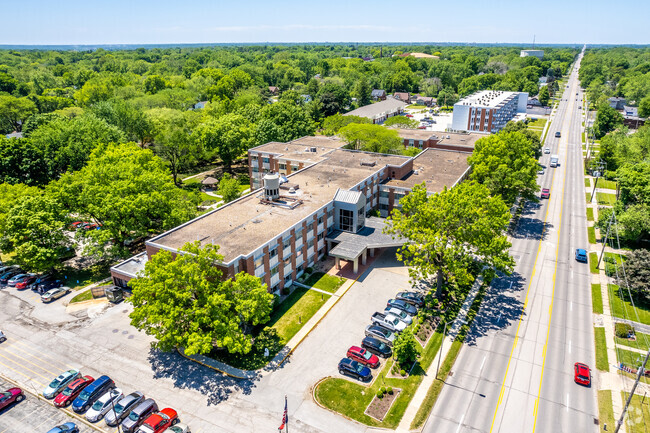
[379,111]
[422,139]
[278,231]
[488,111]
[535,53]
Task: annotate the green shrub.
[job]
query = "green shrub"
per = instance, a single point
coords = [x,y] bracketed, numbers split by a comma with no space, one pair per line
[380,394]
[402,372]
[623,330]
[390,390]
[309,270]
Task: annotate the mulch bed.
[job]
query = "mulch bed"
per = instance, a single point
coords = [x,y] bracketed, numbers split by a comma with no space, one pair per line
[379,407]
[424,334]
[397,375]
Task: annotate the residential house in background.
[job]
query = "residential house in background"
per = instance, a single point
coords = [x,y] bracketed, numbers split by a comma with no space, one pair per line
[200,105]
[378,95]
[422,139]
[402,96]
[616,102]
[378,112]
[274,90]
[425,100]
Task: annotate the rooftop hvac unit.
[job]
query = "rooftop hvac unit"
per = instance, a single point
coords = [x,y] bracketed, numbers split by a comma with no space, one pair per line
[271,186]
[313,149]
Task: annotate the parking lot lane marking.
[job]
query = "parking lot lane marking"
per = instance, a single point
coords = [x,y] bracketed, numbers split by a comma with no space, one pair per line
[28,369]
[53,361]
[30,362]
[20,372]
[21,419]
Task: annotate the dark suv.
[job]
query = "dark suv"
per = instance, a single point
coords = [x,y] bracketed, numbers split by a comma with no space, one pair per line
[352,368]
[91,393]
[48,284]
[375,346]
[4,278]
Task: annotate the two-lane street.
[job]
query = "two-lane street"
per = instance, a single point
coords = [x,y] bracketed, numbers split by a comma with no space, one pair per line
[515,372]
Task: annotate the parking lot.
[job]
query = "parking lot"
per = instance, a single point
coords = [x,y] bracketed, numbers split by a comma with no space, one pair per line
[104,342]
[32,415]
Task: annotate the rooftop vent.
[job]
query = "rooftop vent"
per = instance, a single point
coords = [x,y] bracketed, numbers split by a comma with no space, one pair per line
[271,186]
[368,163]
[313,149]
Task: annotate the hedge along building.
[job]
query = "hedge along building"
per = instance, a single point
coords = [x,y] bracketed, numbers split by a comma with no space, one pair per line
[278,231]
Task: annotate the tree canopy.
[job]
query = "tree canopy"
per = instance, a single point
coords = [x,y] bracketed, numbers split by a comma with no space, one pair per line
[183,302]
[372,138]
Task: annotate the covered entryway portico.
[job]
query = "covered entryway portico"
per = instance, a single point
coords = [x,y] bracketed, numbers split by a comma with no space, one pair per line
[354,246]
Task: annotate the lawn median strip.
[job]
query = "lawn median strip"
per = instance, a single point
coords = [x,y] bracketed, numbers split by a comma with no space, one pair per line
[596,298]
[602,363]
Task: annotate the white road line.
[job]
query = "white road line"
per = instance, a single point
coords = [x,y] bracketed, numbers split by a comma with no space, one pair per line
[571,306]
[483,363]
[567,402]
[460,424]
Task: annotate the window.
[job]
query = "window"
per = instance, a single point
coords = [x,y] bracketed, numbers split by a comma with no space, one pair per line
[310,227]
[287,261]
[274,270]
[283,166]
[320,236]
[273,252]
[286,242]
[346,220]
[383,194]
[310,244]
[411,143]
[383,206]
[256,170]
[259,261]
[294,168]
[330,213]
[265,160]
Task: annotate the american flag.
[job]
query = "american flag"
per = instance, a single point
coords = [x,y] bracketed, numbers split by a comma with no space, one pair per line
[285,417]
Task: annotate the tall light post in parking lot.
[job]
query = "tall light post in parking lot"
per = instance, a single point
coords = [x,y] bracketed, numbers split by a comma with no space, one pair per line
[115,416]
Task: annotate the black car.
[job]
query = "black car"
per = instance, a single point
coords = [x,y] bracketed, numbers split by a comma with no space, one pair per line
[352,368]
[48,284]
[40,279]
[372,345]
[4,278]
[411,297]
[402,305]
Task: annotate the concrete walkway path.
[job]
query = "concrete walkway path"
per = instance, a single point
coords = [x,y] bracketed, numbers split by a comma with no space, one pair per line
[430,375]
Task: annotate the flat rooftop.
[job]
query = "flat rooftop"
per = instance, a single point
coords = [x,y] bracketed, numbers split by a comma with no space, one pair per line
[309,149]
[487,98]
[244,225]
[437,168]
[415,134]
[459,139]
[377,109]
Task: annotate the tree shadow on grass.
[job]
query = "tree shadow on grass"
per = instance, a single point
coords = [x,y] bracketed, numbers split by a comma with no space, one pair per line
[499,309]
[187,374]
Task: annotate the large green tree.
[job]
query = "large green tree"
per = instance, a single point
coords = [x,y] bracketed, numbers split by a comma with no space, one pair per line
[183,302]
[22,162]
[637,270]
[607,120]
[129,191]
[401,122]
[372,138]
[227,137]
[332,124]
[15,111]
[543,96]
[283,121]
[448,232]
[506,165]
[228,188]
[34,232]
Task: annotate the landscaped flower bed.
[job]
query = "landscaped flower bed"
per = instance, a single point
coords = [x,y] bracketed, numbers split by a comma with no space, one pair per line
[381,404]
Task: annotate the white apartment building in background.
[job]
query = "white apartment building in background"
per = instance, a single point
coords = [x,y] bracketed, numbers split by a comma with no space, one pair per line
[535,53]
[488,111]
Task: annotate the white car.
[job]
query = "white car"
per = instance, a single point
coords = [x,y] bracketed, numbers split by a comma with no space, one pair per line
[178,428]
[540,171]
[103,405]
[401,315]
[547,150]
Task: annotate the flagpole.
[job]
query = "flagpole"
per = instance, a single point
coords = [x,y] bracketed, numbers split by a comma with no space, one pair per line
[287,414]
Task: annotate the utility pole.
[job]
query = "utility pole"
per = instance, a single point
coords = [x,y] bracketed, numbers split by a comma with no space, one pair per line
[444,332]
[601,166]
[609,224]
[629,397]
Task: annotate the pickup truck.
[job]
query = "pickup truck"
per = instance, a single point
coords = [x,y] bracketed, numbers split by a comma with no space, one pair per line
[388,321]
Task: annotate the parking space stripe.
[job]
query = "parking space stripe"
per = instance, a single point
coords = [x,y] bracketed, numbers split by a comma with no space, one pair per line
[30,362]
[28,369]
[52,360]
[20,372]
[21,419]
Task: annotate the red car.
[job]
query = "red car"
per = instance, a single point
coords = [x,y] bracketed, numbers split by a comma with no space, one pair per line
[582,374]
[159,421]
[11,396]
[72,391]
[26,282]
[362,356]
[409,115]
[546,193]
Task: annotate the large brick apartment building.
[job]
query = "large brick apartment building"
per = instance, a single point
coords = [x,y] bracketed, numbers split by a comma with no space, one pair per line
[318,206]
[488,111]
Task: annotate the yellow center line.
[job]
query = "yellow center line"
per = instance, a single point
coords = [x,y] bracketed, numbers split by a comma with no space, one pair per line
[521,316]
[550,310]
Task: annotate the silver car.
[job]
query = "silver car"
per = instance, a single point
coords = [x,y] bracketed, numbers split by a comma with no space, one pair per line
[103,404]
[58,384]
[122,408]
[178,428]
[53,294]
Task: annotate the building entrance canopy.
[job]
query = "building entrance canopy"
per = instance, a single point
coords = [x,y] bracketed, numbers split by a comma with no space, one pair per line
[352,245]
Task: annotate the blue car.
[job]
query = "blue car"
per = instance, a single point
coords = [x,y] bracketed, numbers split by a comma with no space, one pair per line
[349,367]
[581,255]
[68,427]
[91,393]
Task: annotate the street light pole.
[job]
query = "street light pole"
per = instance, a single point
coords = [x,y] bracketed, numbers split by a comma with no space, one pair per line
[442,342]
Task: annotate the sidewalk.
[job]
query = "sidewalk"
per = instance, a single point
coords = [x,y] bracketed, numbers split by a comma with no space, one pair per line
[279,359]
[430,375]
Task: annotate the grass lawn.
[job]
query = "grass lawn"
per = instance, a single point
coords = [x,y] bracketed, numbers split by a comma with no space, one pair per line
[588,197]
[606,198]
[602,362]
[587,182]
[593,262]
[591,233]
[629,358]
[243,187]
[637,414]
[78,278]
[620,306]
[596,299]
[642,341]
[605,410]
[583,136]
[537,123]
[295,311]
[416,107]
[590,214]
[83,296]
[205,198]
[609,184]
[323,281]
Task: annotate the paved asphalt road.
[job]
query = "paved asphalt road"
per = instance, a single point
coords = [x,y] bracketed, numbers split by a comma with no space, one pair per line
[515,372]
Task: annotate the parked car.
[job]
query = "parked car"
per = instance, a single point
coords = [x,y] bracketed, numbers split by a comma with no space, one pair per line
[39,280]
[72,391]
[138,415]
[59,384]
[26,282]
[68,427]
[349,367]
[388,321]
[4,278]
[546,193]
[6,268]
[159,421]
[122,408]
[412,298]
[3,337]
[409,116]
[401,314]
[11,396]
[103,404]
[375,346]
[422,127]
[581,255]
[363,356]
[402,305]
[17,279]
[380,333]
[48,284]
[54,294]
[91,393]
[582,374]
[178,428]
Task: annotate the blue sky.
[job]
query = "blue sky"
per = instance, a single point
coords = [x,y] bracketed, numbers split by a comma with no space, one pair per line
[194,21]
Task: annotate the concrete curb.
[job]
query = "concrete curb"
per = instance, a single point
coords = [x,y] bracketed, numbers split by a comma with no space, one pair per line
[41,398]
[243,376]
